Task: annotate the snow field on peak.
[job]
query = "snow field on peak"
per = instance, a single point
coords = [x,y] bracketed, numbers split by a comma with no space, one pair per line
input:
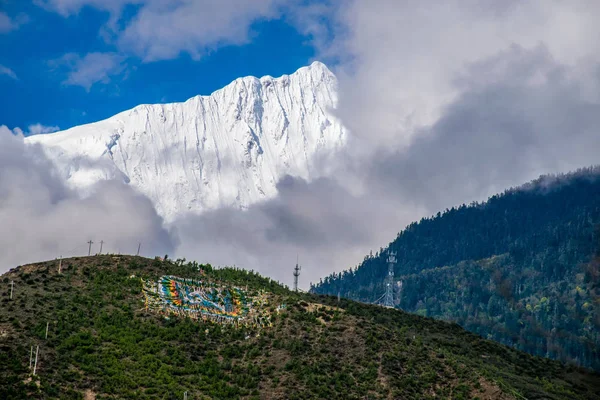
[226,149]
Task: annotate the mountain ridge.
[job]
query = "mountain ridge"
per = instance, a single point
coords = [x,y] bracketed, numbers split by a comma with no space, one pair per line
[226,149]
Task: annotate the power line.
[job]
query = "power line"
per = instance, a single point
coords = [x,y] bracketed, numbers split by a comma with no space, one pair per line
[379,299]
[78,247]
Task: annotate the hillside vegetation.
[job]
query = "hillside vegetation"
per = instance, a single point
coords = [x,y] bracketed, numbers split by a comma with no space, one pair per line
[519,268]
[104,344]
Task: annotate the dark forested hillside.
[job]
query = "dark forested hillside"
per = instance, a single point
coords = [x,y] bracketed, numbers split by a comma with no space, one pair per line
[518,268]
[99,336]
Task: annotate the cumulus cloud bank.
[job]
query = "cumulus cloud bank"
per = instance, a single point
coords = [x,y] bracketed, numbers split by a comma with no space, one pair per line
[320,222]
[43,219]
[446,102]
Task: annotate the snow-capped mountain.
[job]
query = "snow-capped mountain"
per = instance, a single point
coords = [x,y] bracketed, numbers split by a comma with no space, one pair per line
[226,149]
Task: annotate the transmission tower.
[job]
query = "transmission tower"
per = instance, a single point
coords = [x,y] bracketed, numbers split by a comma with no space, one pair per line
[388,300]
[296,275]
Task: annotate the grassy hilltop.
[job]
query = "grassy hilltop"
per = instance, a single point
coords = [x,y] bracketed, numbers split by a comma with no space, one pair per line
[104,344]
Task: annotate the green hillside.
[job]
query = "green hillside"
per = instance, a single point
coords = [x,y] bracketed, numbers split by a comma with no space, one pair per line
[518,269]
[109,338]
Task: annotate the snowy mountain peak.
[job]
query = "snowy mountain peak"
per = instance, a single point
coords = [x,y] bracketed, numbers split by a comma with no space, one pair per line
[226,149]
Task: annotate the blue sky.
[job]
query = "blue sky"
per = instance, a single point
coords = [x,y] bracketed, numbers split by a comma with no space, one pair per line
[68,62]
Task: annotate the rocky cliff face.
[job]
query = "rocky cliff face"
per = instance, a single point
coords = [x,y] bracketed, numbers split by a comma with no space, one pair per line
[226,149]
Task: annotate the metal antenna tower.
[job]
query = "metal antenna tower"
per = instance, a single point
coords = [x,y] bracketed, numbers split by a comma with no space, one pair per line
[388,300]
[296,275]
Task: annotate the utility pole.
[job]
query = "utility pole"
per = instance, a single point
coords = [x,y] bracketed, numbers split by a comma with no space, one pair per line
[47,325]
[101,245]
[36,358]
[90,249]
[60,264]
[184,395]
[389,282]
[31,358]
[339,295]
[139,247]
[296,275]
[12,287]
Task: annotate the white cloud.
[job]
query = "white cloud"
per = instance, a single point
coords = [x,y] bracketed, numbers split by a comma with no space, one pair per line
[164,29]
[8,72]
[37,129]
[5,130]
[67,8]
[8,24]
[33,129]
[159,30]
[447,103]
[403,57]
[90,69]
[450,102]
[326,225]
[38,207]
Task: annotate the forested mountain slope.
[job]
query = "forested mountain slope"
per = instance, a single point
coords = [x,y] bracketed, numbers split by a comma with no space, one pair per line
[109,336]
[518,268]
